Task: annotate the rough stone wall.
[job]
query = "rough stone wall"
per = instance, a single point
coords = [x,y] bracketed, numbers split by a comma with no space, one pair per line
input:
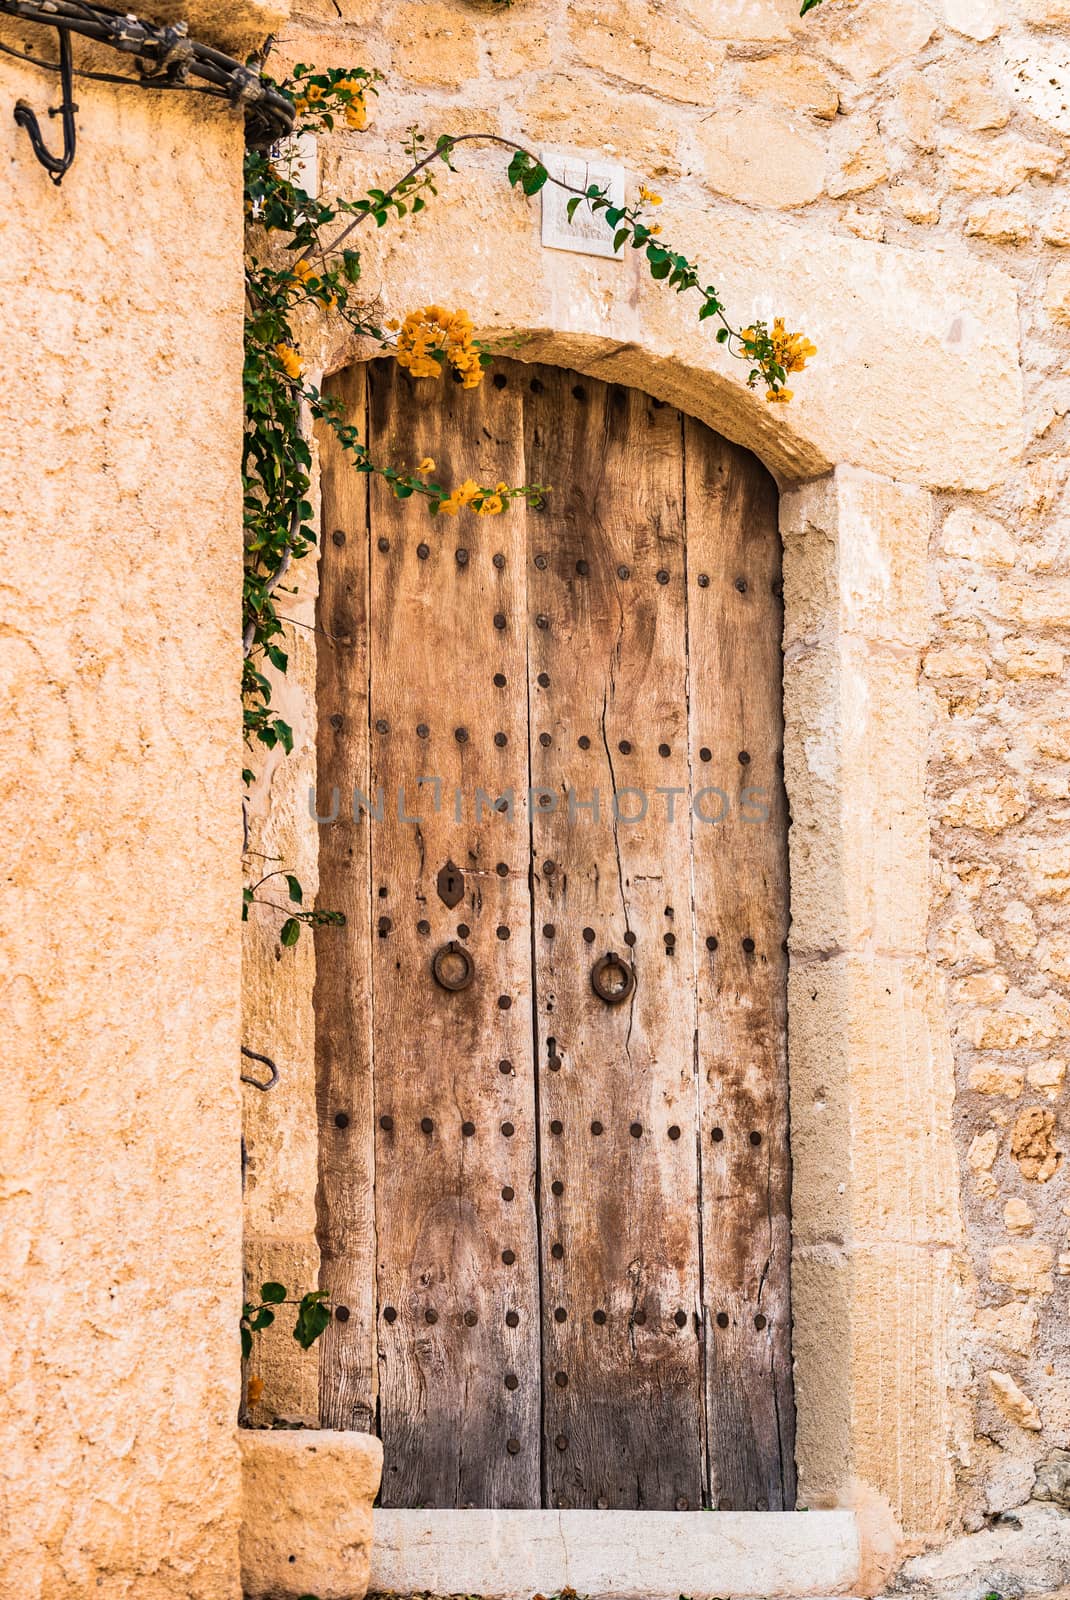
[890,151]
[120,525]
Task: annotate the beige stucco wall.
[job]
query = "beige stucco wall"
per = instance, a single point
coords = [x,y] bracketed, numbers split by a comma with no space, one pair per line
[890,176]
[120,524]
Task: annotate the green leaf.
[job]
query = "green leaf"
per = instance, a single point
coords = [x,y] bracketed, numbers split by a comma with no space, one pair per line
[533,180]
[294,886]
[313,1317]
[574,203]
[273,1293]
[263,1319]
[660,269]
[290,932]
[619,237]
[722,335]
[246,1343]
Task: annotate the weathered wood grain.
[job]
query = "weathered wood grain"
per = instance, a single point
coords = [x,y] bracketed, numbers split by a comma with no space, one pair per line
[345,1198]
[455,1134]
[741,902]
[630,1161]
[617,1117]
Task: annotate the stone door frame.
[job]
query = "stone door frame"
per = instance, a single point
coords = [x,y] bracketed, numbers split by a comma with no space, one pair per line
[898,408]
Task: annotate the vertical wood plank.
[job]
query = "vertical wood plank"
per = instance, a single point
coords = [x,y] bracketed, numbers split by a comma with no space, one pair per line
[617,1101]
[454,1097]
[342,999]
[741,912]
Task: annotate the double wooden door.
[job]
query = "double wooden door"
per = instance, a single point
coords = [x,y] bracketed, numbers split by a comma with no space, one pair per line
[554,1177]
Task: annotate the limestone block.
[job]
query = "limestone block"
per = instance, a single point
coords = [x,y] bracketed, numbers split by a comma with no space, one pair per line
[872,1029]
[1010,1482]
[1014,1325]
[1033,1144]
[976,19]
[981,988]
[1013,1401]
[577,113]
[999,225]
[1043,605]
[1056,226]
[1045,13]
[915,203]
[989,806]
[983,1150]
[956,663]
[996,1078]
[857,161]
[997,166]
[796,82]
[1018,1218]
[863,43]
[1057,295]
[1053,956]
[434,44]
[959,941]
[236,28]
[974,537]
[917,104]
[745,21]
[1037,76]
[1019,928]
[971,98]
[519,49]
[307,1512]
[910,1294]
[1028,658]
[1053,1473]
[761,157]
[637,41]
[289,1375]
[1047,1075]
[1021,1020]
[1026,1266]
[1049,871]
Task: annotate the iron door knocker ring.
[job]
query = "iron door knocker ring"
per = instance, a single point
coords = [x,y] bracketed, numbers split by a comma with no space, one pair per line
[612,991]
[447,957]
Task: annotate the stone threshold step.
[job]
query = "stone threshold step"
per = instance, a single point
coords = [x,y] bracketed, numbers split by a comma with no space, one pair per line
[617,1555]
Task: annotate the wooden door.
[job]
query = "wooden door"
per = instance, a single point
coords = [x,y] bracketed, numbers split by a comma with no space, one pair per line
[552,1080]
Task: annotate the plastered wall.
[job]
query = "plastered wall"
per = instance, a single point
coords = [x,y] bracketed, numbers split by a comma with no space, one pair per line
[891,176]
[120,524]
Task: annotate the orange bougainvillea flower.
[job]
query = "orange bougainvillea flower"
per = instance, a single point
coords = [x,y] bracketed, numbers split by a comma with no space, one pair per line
[254,1389]
[289,360]
[432,338]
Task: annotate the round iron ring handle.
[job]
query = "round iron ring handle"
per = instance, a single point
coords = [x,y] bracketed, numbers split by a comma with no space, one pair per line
[444,958]
[612,993]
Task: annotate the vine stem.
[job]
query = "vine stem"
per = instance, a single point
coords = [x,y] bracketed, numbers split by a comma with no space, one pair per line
[445,145]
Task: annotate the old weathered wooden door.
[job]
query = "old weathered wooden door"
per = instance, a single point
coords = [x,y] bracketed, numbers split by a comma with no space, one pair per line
[552,1074]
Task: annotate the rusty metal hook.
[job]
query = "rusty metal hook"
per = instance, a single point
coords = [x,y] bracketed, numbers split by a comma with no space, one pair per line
[26,117]
[255,1083]
[612,994]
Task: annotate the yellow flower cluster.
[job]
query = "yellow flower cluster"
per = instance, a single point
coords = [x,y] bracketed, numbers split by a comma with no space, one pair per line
[648,196]
[781,348]
[289,360]
[433,331]
[490,505]
[357,109]
[792,350]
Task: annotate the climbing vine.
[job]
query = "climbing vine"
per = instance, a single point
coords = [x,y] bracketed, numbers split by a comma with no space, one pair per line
[294,270]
